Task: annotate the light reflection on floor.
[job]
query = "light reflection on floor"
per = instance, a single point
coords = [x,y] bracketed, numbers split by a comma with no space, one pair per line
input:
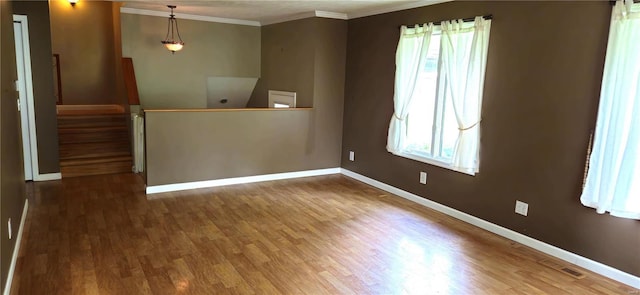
[183,285]
[420,271]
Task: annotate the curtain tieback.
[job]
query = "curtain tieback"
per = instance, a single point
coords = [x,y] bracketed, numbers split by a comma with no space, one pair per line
[467,128]
[396,115]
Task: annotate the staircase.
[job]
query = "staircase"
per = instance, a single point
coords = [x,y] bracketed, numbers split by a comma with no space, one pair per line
[94,143]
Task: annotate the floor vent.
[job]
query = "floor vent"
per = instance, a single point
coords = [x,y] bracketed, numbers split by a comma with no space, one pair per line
[562,268]
[574,273]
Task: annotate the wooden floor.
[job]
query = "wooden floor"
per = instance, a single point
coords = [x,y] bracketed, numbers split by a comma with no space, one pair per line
[318,235]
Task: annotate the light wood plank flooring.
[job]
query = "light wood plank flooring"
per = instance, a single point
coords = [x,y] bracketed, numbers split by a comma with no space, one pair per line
[317,235]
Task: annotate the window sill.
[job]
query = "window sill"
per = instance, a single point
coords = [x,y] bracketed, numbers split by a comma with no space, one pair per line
[434,162]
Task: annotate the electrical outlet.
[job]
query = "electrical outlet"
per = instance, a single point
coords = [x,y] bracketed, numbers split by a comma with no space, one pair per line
[9,227]
[352,156]
[423,177]
[522,208]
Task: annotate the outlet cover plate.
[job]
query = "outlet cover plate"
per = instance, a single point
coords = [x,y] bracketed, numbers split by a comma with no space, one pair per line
[423,177]
[522,208]
[9,228]
[352,156]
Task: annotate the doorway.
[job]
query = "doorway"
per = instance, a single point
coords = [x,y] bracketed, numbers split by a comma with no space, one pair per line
[24,87]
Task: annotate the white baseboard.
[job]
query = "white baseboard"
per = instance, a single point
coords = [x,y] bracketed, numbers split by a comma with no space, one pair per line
[47,177]
[16,249]
[554,251]
[238,180]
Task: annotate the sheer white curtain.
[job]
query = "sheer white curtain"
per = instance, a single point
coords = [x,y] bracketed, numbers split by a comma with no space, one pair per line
[464,49]
[410,58]
[613,178]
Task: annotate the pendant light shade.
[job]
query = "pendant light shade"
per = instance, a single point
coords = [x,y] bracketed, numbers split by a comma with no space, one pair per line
[173,46]
[169,41]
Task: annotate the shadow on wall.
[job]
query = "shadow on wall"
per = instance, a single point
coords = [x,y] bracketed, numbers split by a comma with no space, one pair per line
[229,92]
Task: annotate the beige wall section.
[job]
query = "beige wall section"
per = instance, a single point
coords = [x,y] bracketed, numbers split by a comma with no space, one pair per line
[543,78]
[307,56]
[120,90]
[195,146]
[83,35]
[288,51]
[37,13]
[179,80]
[12,193]
[330,36]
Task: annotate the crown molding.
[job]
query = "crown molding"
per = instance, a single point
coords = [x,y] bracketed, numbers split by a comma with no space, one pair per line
[329,14]
[316,13]
[364,13]
[190,16]
[289,18]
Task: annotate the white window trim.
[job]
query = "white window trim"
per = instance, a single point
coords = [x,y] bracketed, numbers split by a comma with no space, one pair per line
[433,161]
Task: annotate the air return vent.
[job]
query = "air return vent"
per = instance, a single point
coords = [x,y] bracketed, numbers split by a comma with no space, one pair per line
[562,268]
[574,273]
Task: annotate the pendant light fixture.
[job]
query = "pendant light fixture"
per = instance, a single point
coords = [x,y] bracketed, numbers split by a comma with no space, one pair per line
[170,42]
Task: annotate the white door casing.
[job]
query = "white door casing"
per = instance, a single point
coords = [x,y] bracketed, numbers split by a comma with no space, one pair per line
[25,88]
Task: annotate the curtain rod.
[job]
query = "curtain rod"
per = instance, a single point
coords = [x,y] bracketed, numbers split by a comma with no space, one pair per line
[466,20]
[613,2]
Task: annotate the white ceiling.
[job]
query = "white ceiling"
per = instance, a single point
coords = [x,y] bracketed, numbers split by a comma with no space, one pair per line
[273,11]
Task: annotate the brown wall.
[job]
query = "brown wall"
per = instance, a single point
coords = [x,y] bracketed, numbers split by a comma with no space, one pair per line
[37,13]
[541,92]
[83,35]
[179,80]
[196,146]
[288,51]
[12,194]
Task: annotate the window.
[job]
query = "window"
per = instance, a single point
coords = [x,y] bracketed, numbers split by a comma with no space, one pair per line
[438,93]
[613,177]
[428,110]
[282,99]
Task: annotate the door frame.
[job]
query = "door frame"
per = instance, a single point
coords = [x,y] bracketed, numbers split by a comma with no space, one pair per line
[30,112]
